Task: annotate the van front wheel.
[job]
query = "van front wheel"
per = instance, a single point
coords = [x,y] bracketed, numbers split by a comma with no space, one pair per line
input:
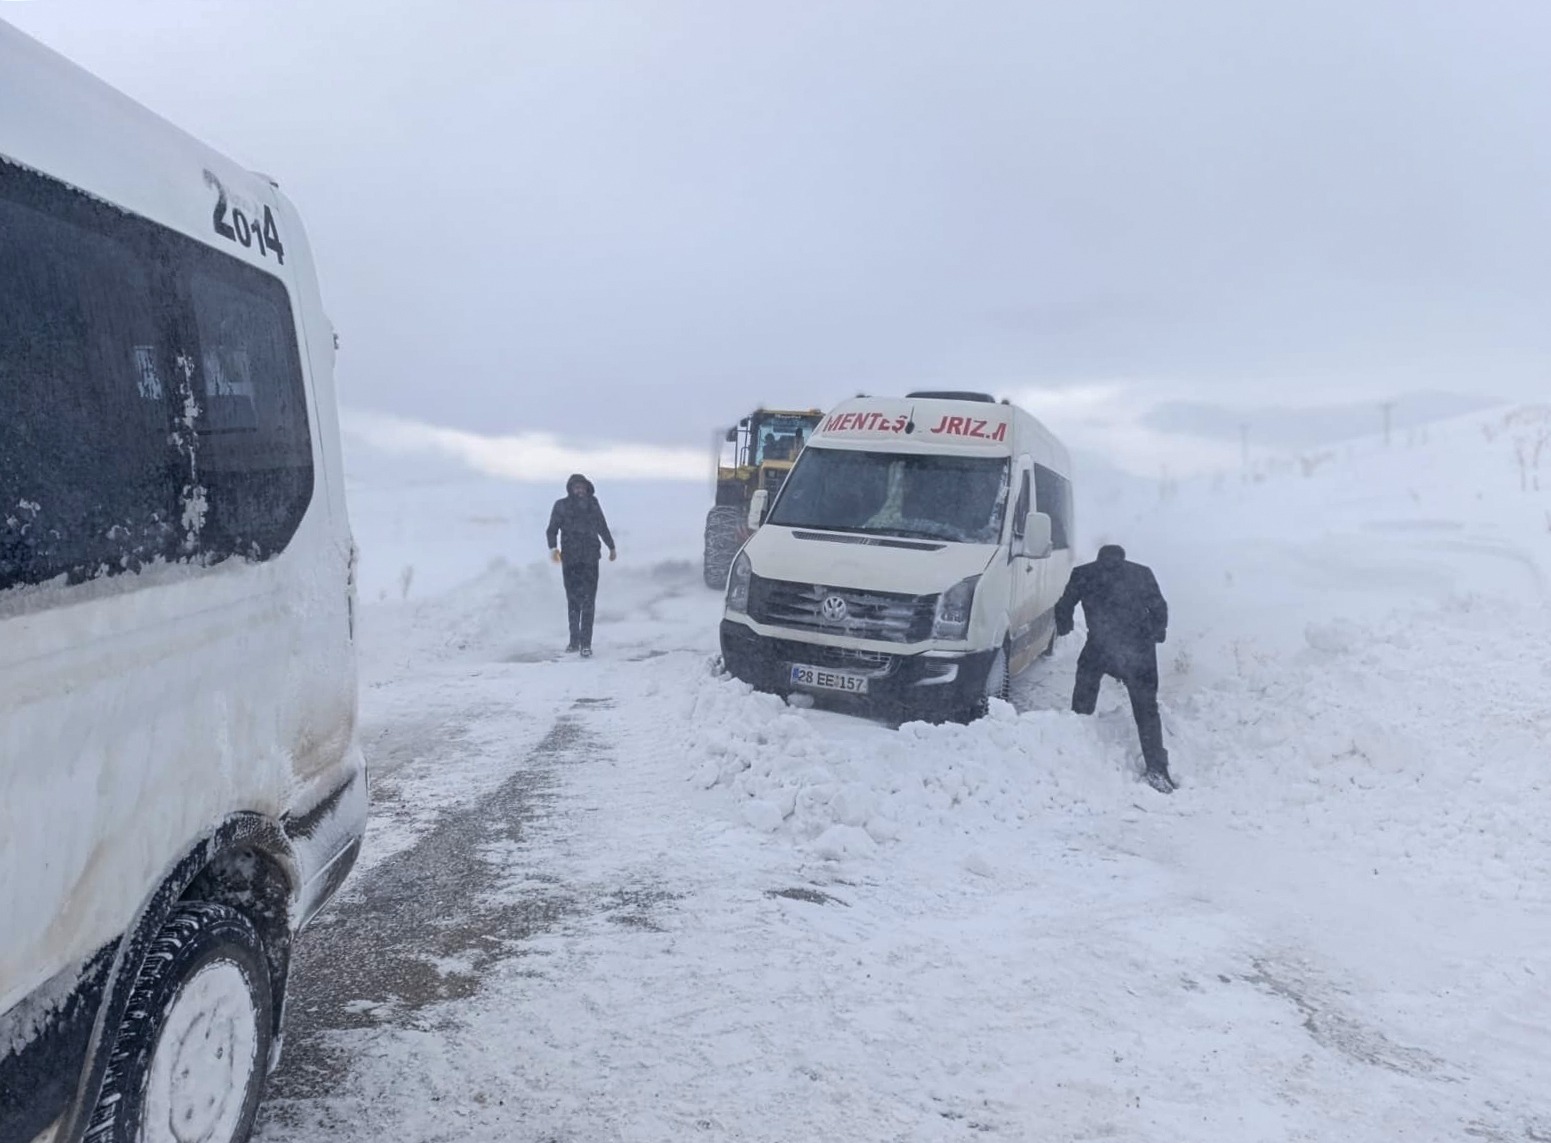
[191,1055]
[998,684]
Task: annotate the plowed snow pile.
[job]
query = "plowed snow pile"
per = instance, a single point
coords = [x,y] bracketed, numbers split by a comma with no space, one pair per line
[791,923]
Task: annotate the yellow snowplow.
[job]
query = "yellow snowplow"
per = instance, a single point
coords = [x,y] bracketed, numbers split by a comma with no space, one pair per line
[754,455]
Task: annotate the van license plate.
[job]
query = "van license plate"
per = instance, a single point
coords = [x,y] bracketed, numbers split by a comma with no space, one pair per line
[825,680]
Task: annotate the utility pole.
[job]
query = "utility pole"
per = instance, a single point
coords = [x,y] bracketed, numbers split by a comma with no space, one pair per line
[1387,408]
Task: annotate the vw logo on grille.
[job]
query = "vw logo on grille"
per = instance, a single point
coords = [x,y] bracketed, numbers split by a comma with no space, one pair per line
[834,609]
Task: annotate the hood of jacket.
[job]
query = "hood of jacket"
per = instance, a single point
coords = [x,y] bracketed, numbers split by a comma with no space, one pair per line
[578,478]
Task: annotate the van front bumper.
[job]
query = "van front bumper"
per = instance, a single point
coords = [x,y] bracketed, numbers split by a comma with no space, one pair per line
[927,685]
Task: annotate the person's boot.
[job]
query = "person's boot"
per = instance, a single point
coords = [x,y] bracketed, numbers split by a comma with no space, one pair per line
[1157,775]
[572,647]
[586,652]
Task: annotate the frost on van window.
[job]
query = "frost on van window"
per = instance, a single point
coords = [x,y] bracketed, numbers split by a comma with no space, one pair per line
[150,382]
[193,504]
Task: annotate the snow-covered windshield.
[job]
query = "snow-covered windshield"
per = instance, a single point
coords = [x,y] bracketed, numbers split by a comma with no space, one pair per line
[955,498]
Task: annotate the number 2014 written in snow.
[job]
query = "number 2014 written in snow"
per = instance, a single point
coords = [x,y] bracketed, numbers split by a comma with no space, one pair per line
[234,225]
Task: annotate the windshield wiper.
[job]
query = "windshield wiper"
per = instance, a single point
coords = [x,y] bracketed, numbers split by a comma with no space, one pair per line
[900,533]
[927,534]
[823,527]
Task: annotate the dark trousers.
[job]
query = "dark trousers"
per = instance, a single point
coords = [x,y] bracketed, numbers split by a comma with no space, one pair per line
[581,595]
[1141,680]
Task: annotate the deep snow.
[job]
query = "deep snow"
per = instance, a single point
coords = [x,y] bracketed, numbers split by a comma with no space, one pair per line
[780,923]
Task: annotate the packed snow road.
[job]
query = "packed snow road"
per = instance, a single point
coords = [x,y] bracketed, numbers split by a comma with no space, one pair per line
[629,900]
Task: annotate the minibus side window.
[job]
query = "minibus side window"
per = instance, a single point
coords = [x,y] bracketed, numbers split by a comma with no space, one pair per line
[1053,497]
[89,479]
[1020,512]
[253,450]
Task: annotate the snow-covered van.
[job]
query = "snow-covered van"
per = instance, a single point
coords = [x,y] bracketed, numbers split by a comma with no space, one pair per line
[181,787]
[913,557]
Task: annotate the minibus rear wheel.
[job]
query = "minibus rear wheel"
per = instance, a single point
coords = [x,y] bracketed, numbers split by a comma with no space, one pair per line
[191,1056]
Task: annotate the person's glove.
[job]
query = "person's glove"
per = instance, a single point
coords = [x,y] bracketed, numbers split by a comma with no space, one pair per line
[554,555]
[1063,628]
[613,554]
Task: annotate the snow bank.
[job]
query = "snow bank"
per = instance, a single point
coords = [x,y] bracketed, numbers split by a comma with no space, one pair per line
[1360,642]
[841,786]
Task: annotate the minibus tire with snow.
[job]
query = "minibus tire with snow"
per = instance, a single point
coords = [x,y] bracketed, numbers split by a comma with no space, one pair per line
[206,965]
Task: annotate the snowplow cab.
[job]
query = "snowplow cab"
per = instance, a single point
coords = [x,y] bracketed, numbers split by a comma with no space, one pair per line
[754,455]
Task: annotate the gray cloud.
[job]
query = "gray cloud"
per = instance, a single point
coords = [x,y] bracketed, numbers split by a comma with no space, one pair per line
[630,221]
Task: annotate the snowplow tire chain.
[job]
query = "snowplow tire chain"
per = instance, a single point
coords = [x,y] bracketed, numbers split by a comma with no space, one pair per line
[197,934]
[723,527]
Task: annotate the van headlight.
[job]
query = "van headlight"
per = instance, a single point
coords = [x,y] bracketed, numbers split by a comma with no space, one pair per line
[953,608]
[738,584]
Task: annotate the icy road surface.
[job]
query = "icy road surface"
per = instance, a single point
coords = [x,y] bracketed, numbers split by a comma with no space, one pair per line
[626,900]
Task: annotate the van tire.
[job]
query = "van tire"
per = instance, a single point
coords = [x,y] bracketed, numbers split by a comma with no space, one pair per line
[981,707]
[723,538]
[1004,690]
[219,945]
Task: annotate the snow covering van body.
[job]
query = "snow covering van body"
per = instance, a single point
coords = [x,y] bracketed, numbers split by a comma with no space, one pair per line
[178,751]
[914,557]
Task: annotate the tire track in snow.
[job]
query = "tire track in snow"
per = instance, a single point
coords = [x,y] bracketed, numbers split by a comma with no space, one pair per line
[423,926]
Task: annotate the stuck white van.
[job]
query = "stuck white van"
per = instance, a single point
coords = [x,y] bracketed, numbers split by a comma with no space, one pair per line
[913,558]
[180,782]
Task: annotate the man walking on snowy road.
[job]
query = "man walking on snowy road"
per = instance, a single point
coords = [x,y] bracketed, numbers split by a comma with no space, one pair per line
[1127,619]
[576,524]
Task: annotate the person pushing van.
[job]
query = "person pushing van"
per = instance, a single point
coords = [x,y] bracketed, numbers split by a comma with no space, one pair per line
[1127,619]
[576,524]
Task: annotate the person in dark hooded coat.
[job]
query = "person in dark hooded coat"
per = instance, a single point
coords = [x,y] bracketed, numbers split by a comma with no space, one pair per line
[576,527]
[1127,619]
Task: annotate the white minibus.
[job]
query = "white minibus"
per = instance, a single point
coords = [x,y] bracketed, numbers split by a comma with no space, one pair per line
[181,785]
[911,561]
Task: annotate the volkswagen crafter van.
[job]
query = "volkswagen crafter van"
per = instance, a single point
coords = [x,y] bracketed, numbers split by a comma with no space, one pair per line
[181,787]
[911,561]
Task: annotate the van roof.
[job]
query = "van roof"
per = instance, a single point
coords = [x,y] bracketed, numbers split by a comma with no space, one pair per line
[60,120]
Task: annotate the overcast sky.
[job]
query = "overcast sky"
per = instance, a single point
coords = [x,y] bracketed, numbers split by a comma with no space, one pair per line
[634,220]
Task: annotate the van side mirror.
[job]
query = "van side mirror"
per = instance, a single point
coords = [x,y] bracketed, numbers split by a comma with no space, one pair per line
[758,504]
[1037,542]
[732,436]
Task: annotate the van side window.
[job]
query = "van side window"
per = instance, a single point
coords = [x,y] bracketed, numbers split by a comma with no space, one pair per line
[1020,511]
[152,406]
[253,449]
[89,477]
[1053,497]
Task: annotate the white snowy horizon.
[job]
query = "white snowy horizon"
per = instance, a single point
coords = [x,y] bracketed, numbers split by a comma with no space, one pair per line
[1118,423]
[533,456]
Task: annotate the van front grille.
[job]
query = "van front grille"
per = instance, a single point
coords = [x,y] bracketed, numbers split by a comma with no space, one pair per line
[877,615]
[874,664]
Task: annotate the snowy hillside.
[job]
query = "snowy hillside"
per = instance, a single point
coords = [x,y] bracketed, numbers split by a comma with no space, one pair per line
[679,909]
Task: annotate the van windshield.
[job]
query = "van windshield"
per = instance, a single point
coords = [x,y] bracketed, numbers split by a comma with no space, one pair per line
[955,498]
